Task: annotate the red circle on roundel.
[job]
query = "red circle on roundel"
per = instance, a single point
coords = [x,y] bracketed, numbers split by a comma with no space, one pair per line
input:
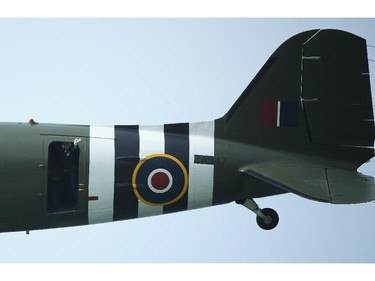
[160,181]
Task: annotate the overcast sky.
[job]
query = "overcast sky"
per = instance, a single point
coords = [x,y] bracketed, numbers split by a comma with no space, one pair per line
[134,71]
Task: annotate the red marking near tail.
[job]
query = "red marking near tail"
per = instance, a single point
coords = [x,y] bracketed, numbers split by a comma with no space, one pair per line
[268,113]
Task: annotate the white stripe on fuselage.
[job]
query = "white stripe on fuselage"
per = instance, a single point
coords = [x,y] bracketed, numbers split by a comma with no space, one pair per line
[201,176]
[151,141]
[101,174]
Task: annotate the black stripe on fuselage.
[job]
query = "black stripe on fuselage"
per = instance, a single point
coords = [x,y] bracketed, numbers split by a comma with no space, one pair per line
[125,205]
[177,144]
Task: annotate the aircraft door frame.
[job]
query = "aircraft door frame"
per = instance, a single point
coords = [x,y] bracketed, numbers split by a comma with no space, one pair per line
[51,146]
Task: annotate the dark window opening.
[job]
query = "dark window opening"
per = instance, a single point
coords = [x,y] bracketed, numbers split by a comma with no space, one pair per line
[63,161]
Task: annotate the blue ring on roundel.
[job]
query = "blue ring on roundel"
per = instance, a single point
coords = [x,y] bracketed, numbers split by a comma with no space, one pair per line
[147,195]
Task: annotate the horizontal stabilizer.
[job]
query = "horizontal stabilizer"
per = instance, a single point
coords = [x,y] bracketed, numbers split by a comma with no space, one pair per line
[350,187]
[332,185]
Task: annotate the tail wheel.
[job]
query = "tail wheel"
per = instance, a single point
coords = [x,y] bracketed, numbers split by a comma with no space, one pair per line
[271,220]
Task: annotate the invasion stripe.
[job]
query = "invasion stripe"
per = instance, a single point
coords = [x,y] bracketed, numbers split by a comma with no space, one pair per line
[201,175]
[127,158]
[101,174]
[177,145]
[151,142]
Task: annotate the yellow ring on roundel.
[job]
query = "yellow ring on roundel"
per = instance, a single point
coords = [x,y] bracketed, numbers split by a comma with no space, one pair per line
[178,162]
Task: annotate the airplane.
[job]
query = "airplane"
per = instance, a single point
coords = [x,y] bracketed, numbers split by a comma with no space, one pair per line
[303,125]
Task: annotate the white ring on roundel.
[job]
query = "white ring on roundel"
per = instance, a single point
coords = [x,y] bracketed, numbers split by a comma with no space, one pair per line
[164,171]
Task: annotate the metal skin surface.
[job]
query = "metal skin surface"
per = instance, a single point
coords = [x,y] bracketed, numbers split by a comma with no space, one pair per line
[303,125]
[23,176]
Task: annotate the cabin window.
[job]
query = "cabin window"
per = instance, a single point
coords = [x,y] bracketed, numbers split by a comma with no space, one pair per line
[63,162]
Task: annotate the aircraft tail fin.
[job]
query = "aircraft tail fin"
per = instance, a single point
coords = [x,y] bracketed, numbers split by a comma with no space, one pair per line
[312,96]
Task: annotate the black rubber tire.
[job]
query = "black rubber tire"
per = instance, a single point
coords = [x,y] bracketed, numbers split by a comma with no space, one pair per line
[274,219]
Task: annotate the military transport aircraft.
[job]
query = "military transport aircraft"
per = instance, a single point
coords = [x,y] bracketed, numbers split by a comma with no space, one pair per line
[303,125]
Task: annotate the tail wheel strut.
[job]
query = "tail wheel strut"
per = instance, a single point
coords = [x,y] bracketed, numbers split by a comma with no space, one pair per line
[267,218]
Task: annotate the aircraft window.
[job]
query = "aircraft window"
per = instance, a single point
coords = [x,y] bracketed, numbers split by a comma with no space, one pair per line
[63,160]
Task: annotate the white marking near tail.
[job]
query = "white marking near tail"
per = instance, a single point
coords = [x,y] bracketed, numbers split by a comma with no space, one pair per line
[201,176]
[278,113]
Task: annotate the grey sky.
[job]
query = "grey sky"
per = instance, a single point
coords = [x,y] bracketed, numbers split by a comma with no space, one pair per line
[134,71]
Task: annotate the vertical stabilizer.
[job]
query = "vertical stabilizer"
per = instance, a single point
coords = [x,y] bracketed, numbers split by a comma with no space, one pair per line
[312,96]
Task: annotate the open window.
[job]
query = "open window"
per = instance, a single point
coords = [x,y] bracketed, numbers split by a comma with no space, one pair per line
[63,169]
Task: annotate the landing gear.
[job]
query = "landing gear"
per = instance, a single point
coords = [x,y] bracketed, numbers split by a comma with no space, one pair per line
[270,221]
[267,218]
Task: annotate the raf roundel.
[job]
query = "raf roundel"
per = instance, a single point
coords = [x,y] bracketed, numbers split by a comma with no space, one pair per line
[159,180]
